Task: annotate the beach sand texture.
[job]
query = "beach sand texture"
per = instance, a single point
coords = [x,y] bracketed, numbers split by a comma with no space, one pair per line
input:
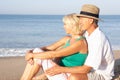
[11,68]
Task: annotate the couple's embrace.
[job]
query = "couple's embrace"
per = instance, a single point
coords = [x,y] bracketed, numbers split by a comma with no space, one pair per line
[85,54]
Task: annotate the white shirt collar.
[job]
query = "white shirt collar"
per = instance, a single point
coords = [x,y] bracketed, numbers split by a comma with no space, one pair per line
[93,33]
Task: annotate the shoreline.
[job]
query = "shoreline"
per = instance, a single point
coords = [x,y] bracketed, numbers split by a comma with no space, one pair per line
[11,68]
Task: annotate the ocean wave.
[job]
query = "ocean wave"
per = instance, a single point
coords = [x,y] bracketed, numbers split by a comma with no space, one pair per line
[116,47]
[7,52]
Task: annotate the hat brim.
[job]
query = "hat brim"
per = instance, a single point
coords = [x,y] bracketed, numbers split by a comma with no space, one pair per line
[82,15]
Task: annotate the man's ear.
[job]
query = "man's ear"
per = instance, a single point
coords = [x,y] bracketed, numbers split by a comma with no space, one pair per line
[91,20]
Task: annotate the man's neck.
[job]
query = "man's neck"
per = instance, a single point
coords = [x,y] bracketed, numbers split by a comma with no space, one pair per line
[91,29]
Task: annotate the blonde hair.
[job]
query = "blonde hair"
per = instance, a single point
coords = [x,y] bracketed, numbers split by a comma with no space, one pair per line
[73,20]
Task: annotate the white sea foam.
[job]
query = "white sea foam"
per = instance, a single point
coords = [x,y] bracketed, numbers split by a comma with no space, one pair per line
[6,52]
[116,47]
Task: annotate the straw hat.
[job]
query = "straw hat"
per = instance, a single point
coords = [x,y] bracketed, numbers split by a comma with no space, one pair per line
[90,11]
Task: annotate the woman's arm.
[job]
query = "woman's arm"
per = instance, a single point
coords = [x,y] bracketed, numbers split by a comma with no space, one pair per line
[56,45]
[52,47]
[73,48]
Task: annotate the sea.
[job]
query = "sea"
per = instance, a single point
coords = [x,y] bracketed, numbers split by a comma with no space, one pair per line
[19,33]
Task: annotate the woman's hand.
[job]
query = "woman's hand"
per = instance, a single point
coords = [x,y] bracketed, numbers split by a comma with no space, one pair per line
[29,56]
[31,61]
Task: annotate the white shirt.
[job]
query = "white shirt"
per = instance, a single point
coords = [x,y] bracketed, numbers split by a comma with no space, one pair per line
[100,56]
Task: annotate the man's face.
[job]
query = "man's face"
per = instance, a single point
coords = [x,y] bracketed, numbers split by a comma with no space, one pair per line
[84,23]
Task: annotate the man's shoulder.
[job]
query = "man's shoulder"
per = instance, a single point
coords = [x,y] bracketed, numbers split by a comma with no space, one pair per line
[100,34]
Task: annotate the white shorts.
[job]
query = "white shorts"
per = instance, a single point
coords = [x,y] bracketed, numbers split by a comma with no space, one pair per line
[95,76]
[48,63]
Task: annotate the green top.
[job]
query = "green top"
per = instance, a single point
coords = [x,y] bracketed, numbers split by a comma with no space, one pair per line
[76,59]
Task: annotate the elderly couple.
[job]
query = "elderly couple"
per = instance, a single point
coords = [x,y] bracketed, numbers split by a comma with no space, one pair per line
[85,54]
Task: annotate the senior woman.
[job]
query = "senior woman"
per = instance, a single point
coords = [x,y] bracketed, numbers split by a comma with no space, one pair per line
[71,49]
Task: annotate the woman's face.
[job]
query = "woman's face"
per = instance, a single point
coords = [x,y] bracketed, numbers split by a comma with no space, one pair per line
[67,28]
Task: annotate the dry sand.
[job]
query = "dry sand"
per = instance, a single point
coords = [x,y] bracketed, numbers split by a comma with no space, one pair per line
[11,68]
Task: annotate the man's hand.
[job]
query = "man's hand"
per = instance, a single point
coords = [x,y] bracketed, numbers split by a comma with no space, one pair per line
[56,69]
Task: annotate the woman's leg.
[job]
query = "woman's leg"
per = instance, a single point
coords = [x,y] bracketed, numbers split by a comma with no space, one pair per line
[40,77]
[31,70]
[78,77]
[46,64]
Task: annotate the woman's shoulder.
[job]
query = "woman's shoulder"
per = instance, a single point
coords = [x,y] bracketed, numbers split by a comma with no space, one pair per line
[82,41]
[67,37]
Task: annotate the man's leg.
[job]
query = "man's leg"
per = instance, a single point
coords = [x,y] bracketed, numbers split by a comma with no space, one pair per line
[95,76]
[89,76]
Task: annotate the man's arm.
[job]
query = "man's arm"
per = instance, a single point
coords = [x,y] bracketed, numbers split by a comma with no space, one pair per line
[59,69]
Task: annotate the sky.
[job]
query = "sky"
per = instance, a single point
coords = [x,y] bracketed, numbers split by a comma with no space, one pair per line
[56,7]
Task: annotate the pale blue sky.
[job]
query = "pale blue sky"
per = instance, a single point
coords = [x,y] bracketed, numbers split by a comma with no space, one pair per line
[56,6]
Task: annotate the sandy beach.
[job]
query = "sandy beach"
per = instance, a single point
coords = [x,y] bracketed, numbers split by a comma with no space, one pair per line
[11,68]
